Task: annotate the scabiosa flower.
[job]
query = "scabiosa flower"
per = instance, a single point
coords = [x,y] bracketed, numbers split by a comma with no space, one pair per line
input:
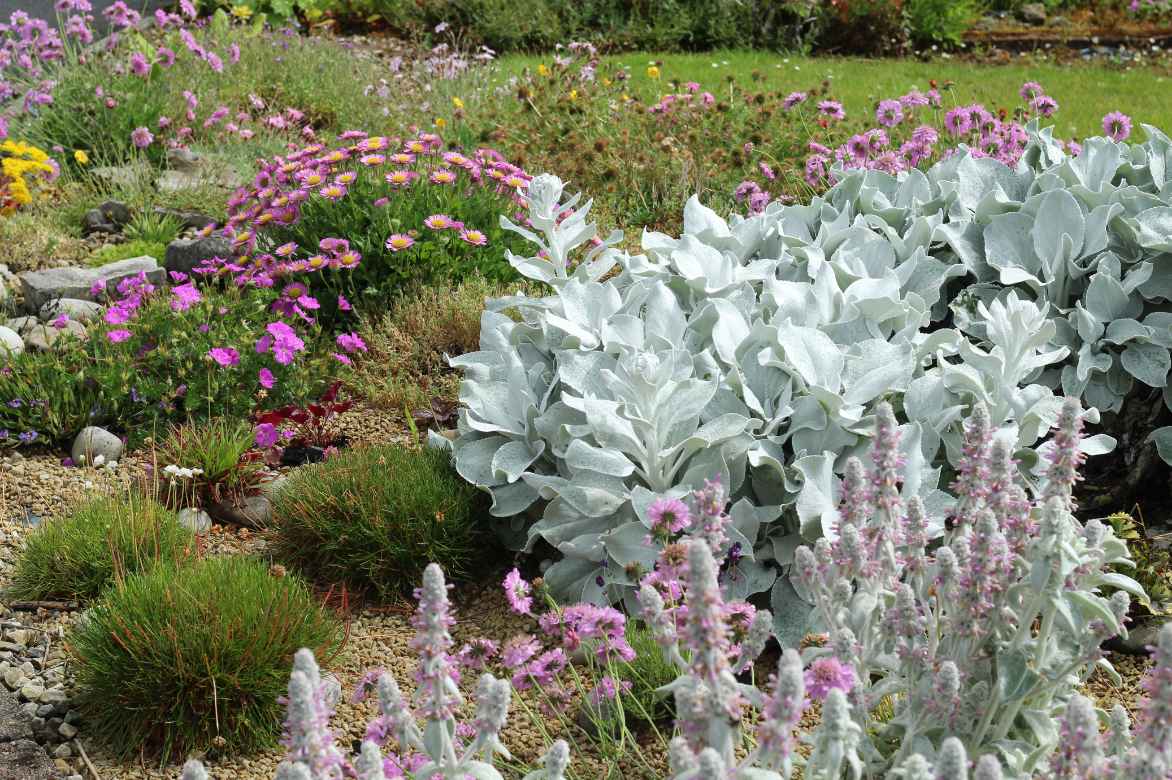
[668,516]
[399,242]
[473,237]
[476,654]
[831,109]
[141,137]
[519,650]
[1031,90]
[794,99]
[1045,105]
[1117,126]
[519,593]
[889,113]
[343,304]
[957,122]
[826,674]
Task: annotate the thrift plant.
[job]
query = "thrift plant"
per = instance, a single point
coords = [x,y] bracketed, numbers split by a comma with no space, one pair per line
[370,517]
[195,657]
[364,220]
[77,556]
[201,463]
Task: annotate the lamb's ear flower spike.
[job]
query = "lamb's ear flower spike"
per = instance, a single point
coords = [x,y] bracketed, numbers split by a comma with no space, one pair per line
[1080,752]
[1065,456]
[1120,731]
[369,765]
[952,763]
[193,770]
[988,768]
[287,771]
[914,767]
[1153,733]
[554,763]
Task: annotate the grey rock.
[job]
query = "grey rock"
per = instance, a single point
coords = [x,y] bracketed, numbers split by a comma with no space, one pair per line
[258,510]
[94,221]
[14,721]
[14,678]
[11,344]
[185,254]
[62,751]
[54,696]
[22,325]
[273,486]
[3,290]
[40,287]
[1060,21]
[127,176]
[1033,13]
[67,730]
[1141,637]
[116,212]
[184,160]
[24,759]
[193,220]
[196,520]
[31,691]
[74,308]
[93,442]
[44,711]
[44,338]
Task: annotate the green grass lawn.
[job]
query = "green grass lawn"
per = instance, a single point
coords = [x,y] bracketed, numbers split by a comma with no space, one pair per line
[1085,92]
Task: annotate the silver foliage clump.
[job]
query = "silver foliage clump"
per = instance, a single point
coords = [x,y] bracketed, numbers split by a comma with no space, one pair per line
[755,349]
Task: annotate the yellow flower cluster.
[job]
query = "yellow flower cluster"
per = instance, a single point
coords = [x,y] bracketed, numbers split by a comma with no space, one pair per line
[18,162]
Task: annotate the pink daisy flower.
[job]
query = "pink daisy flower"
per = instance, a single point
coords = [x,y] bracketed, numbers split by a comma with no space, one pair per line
[473,237]
[399,242]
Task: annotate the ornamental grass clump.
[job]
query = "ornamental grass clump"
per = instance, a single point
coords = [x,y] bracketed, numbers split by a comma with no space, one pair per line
[373,517]
[77,556]
[366,218]
[195,657]
[212,462]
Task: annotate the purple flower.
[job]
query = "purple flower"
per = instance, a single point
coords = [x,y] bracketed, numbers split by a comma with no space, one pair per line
[225,356]
[519,593]
[826,674]
[889,113]
[118,336]
[266,378]
[1044,105]
[793,99]
[832,109]
[351,342]
[668,516]
[1117,126]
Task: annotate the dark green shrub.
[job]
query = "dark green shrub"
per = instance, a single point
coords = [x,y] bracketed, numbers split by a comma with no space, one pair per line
[79,555]
[648,672]
[939,21]
[373,518]
[194,657]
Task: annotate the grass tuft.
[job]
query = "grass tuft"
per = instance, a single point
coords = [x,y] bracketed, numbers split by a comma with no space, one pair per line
[79,555]
[195,657]
[373,518]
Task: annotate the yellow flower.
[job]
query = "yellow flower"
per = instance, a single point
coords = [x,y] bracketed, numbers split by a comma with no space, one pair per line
[242,11]
[457,102]
[440,122]
[81,157]
[652,72]
[542,70]
[606,82]
[626,97]
[573,94]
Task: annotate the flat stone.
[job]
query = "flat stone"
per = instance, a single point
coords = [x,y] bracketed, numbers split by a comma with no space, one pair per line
[31,691]
[184,160]
[74,308]
[258,510]
[185,254]
[1141,637]
[62,751]
[54,696]
[93,443]
[93,221]
[22,325]
[40,287]
[116,212]
[24,759]
[14,721]
[44,338]
[67,730]
[188,219]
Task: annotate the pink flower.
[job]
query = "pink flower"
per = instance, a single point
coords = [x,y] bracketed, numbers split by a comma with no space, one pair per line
[139,65]
[1031,90]
[438,222]
[118,336]
[142,137]
[832,109]
[793,99]
[225,356]
[826,674]
[343,304]
[338,356]
[473,237]
[519,593]
[266,378]
[400,241]
[668,516]
[266,435]
[351,342]
[184,297]
[1117,126]
[889,113]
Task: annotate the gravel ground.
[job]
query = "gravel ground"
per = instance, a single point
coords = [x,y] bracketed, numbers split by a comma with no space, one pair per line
[36,488]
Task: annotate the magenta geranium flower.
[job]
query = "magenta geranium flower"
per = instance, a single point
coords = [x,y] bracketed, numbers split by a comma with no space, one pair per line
[351,342]
[225,356]
[266,378]
[118,336]
[266,435]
